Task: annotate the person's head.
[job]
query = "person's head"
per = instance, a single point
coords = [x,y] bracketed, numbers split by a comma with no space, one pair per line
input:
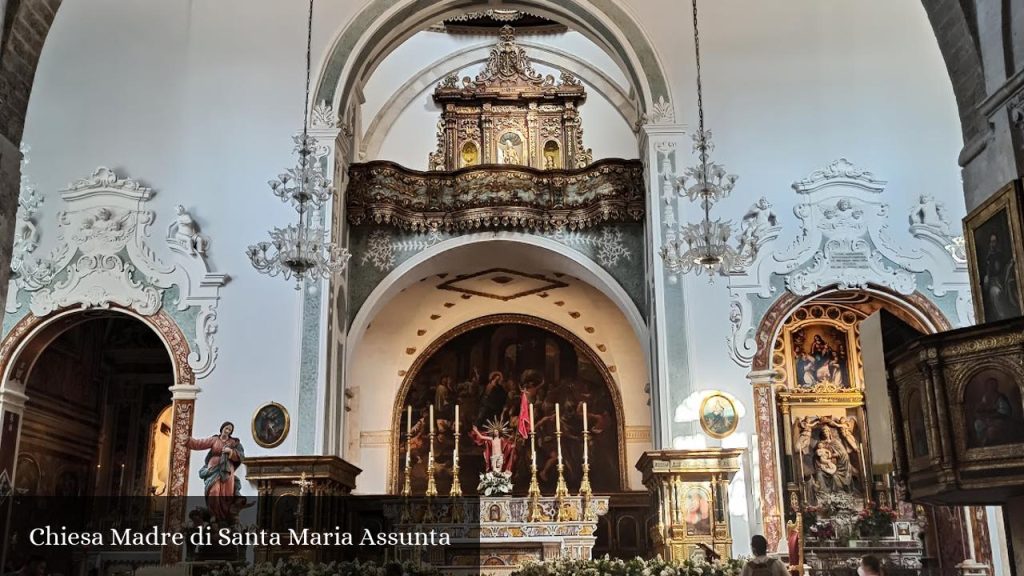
[870,566]
[759,545]
[227,429]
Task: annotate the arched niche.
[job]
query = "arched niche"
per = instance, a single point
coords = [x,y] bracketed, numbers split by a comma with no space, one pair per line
[20,352]
[482,366]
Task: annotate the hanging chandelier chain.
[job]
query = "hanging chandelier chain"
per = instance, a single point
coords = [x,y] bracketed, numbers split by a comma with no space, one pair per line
[309,67]
[700,87]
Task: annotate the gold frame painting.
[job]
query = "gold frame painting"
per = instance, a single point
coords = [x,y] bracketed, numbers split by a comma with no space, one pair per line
[995,299]
[257,435]
[710,429]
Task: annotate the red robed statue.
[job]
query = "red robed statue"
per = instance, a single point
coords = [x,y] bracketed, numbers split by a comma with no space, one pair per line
[499,451]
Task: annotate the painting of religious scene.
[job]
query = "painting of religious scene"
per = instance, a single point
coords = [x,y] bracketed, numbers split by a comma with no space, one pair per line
[820,357]
[510,149]
[697,509]
[993,410]
[828,455]
[997,268]
[486,372]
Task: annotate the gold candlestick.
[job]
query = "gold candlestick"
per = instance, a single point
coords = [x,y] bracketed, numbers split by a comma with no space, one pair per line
[407,485]
[456,490]
[428,512]
[561,489]
[534,512]
[585,491]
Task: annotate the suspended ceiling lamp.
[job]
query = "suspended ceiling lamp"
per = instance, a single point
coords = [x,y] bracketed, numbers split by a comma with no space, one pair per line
[303,251]
[704,246]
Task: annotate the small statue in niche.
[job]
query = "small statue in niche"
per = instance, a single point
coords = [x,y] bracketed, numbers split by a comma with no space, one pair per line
[929,213]
[184,232]
[509,154]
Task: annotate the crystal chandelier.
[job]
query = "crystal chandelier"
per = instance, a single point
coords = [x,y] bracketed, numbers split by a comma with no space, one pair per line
[303,250]
[705,246]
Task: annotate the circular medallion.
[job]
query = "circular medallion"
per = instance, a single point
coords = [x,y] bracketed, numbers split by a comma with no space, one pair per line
[270,425]
[718,416]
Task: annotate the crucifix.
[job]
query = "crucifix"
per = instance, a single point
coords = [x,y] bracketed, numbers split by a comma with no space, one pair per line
[304,485]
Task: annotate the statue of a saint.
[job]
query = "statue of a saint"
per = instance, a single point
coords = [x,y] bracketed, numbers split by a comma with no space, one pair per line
[223,491]
[185,233]
[499,451]
[509,154]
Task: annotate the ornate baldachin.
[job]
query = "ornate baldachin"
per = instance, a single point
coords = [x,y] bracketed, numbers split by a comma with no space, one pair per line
[496,196]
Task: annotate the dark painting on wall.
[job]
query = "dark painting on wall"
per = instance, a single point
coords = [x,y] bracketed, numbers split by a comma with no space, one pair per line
[484,371]
[993,409]
[993,241]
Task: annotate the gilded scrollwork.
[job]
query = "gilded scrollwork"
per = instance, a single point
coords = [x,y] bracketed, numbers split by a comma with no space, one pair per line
[608,191]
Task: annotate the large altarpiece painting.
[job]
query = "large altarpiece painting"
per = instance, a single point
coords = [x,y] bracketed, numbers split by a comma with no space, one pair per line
[484,369]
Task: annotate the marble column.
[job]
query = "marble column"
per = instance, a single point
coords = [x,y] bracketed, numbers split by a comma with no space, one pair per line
[769,472]
[665,151]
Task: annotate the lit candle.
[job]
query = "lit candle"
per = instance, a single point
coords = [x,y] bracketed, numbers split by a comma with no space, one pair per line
[456,419]
[431,418]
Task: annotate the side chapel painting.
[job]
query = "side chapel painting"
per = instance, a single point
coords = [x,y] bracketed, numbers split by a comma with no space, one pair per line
[484,371]
[993,409]
[821,357]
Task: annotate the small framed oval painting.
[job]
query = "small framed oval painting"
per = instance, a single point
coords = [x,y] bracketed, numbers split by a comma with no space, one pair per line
[718,416]
[270,425]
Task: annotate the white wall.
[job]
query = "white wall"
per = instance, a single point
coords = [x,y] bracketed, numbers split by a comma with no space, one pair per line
[199,99]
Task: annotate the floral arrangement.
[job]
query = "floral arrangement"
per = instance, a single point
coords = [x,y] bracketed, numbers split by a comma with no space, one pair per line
[809,516]
[494,483]
[875,520]
[822,531]
[636,567]
[299,567]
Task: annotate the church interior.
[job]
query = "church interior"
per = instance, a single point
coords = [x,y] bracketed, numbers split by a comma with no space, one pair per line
[617,286]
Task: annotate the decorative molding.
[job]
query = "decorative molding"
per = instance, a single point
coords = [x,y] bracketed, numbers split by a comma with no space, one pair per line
[844,242]
[638,434]
[1016,108]
[510,197]
[375,439]
[103,257]
[323,116]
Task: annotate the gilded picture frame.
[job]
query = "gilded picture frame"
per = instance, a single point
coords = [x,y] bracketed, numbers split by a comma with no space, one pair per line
[995,253]
[718,416]
[270,425]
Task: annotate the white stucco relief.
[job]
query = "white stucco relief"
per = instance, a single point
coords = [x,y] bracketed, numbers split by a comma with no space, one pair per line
[103,256]
[844,241]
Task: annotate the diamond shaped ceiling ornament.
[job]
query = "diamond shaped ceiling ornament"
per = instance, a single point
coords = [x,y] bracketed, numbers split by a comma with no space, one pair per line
[501,284]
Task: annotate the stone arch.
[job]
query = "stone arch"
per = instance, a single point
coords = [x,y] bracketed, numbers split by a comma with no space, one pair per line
[382,25]
[957,35]
[403,391]
[23,345]
[25,26]
[928,317]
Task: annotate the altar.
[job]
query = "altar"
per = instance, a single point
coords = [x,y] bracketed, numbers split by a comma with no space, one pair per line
[496,535]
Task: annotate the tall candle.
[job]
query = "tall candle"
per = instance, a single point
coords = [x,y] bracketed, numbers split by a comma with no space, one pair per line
[456,419]
[431,418]
[408,422]
[558,432]
[586,457]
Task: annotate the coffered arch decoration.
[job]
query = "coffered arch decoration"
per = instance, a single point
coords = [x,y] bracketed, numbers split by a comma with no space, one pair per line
[103,256]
